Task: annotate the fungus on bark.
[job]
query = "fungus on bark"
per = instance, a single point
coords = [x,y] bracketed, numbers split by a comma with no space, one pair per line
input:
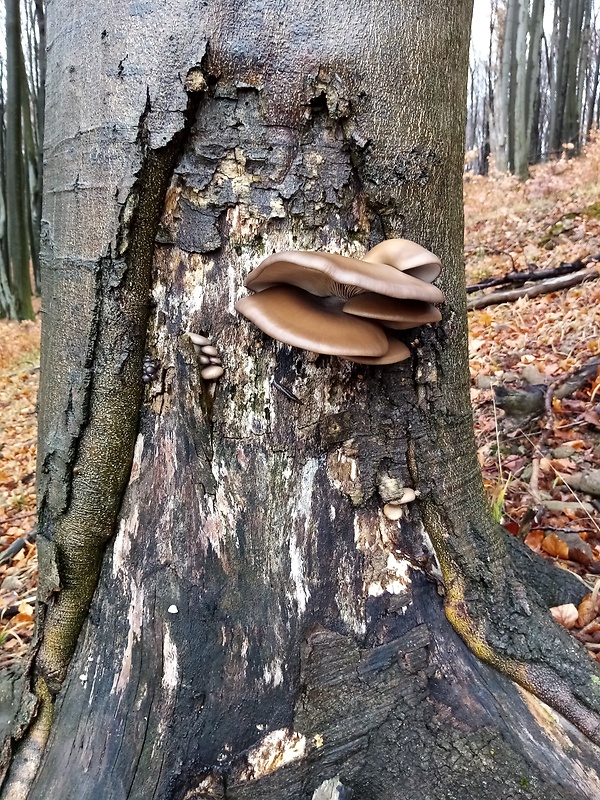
[208,356]
[337,305]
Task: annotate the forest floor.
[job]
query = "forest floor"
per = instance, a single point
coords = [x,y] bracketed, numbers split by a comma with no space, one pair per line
[531,463]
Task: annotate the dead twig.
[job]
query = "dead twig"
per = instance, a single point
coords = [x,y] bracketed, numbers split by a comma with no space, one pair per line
[519,277]
[10,520]
[16,546]
[543,287]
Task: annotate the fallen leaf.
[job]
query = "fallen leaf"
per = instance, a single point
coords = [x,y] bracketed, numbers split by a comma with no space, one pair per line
[586,612]
[565,615]
[555,546]
[534,540]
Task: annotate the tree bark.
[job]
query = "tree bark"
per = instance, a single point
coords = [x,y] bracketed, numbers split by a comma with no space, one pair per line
[16,196]
[258,628]
[520,117]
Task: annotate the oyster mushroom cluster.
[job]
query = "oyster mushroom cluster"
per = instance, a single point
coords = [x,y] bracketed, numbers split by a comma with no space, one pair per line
[346,307]
[208,356]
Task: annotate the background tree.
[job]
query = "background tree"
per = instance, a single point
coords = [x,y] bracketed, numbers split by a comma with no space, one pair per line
[258,626]
[544,83]
[21,134]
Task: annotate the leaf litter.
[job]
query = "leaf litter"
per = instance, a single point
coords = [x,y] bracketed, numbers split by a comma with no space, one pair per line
[19,379]
[539,465]
[553,217]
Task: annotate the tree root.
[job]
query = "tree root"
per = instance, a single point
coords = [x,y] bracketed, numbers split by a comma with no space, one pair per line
[498,604]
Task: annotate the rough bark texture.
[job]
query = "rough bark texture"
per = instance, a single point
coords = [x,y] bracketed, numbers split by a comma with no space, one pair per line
[260,629]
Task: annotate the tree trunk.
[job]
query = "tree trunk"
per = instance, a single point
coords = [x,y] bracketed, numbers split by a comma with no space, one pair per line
[15,168]
[502,92]
[258,628]
[520,118]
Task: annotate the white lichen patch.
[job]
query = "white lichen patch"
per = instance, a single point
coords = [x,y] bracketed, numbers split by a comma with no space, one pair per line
[274,751]
[297,574]
[399,570]
[134,621]
[170,677]
[429,549]
[303,508]
[375,589]
[137,458]
[329,790]
[273,673]
[127,530]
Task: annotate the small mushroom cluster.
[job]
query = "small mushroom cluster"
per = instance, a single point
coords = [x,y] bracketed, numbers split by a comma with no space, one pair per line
[208,356]
[149,369]
[341,306]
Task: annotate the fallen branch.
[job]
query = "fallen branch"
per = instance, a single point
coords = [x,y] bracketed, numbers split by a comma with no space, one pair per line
[518,278]
[16,546]
[568,384]
[544,287]
[17,517]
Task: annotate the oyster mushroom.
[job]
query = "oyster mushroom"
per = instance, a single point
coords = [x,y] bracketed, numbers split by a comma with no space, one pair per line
[337,305]
[332,275]
[406,256]
[293,316]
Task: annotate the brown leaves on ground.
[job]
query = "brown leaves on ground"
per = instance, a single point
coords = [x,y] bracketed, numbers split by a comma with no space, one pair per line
[583,621]
[554,217]
[19,360]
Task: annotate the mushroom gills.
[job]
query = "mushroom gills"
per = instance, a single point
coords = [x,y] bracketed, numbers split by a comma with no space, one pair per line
[393,313]
[327,274]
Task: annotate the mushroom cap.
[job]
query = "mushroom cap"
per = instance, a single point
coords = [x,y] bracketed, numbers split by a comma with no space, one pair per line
[407,256]
[294,316]
[329,274]
[396,314]
[396,352]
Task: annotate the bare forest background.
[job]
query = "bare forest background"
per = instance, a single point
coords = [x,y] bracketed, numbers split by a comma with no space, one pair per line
[22,76]
[533,82]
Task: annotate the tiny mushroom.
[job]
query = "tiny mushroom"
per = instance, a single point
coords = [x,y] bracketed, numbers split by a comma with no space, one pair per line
[337,305]
[393,509]
[208,356]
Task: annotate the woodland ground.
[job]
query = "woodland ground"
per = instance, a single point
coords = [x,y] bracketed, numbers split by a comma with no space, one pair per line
[529,464]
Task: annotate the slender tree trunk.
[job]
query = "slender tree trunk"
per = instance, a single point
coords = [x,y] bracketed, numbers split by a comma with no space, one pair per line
[502,95]
[258,626]
[593,85]
[533,81]
[40,101]
[520,117]
[558,58]
[15,169]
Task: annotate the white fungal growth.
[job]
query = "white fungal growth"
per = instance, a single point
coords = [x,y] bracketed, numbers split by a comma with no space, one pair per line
[428,547]
[137,458]
[126,533]
[302,592]
[303,507]
[273,673]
